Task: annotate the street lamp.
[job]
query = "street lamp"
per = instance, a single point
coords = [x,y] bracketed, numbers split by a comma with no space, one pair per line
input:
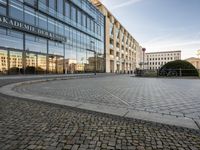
[143,50]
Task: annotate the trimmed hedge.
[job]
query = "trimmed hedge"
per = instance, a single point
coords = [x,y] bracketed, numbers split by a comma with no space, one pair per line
[178,68]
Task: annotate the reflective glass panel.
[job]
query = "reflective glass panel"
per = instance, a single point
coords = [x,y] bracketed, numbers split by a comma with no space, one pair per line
[3,62]
[67,9]
[42,64]
[15,62]
[29,15]
[60,65]
[56,48]
[31,63]
[16,10]
[52,64]
[2,10]
[35,44]
[73,13]
[11,39]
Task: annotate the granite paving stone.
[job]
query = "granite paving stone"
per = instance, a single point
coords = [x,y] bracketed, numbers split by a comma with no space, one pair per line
[26,124]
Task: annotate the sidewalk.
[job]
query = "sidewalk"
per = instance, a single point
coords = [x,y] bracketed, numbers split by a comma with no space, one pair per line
[53,76]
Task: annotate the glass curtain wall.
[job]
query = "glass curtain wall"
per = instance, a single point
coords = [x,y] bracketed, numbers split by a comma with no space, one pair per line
[29,53]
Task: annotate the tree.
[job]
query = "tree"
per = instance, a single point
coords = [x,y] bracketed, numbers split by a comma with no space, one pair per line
[178,68]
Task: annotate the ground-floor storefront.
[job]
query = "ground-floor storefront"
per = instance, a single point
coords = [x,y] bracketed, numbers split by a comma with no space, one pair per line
[24,53]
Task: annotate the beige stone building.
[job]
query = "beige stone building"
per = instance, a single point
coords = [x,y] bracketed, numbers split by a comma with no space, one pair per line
[195,62]
[155,60]
[122,50]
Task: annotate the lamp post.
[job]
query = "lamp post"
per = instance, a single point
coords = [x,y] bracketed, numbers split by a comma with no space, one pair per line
[143,50]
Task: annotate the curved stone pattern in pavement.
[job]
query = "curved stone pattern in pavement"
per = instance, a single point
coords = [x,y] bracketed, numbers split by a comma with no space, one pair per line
[177,97]
[26,124]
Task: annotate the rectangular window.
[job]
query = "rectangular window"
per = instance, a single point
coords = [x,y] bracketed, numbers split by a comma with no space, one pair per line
[88,23]
[35,44]
[2,10]
[31,2]
[16,10]
[3,2]
[84,20]
[3,62]
[52,4]
[92,25]
[56,48]
[42,21]
[51,25]
[42,5]
[11,39]
[60,6]
[79,17]
[73,13]
[29,15]
[67,9]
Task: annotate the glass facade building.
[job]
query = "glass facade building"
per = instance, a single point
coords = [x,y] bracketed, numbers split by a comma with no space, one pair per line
[51,36]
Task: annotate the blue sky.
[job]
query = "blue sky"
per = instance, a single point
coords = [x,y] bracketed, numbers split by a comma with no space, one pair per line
[160,25]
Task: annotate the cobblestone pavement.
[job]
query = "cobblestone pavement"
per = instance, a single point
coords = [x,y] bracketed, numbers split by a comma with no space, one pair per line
[26,124]
[177,97]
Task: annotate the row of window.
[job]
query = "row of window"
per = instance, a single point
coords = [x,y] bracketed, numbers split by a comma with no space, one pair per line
[14,39]
[168,58]
[17,62]
[76,59]
[154,68]
[29,15]
[157,63]
[158,55]
[67,11]
[128,41]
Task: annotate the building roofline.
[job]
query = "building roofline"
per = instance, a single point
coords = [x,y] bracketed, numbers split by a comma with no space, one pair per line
[101,4]
[194,58]
[163,52]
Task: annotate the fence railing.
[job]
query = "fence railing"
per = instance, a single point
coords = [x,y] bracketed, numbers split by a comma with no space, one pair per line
[168,72]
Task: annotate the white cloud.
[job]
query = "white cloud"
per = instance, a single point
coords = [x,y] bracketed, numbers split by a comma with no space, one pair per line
[124,4]
[187,45]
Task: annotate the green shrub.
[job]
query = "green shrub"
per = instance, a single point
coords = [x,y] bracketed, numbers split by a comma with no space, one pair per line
[150,73]
[178,68]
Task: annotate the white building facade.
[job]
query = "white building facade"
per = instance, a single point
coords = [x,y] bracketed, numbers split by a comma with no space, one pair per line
[155,60]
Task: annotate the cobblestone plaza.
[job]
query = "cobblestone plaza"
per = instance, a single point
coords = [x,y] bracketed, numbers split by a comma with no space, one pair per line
[176,97]
[28,124]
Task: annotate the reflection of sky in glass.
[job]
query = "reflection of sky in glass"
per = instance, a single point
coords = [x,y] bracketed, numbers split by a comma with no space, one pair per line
[11,42]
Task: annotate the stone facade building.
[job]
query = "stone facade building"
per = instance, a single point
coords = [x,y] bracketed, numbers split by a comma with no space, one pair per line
[155,60]
[122,50]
